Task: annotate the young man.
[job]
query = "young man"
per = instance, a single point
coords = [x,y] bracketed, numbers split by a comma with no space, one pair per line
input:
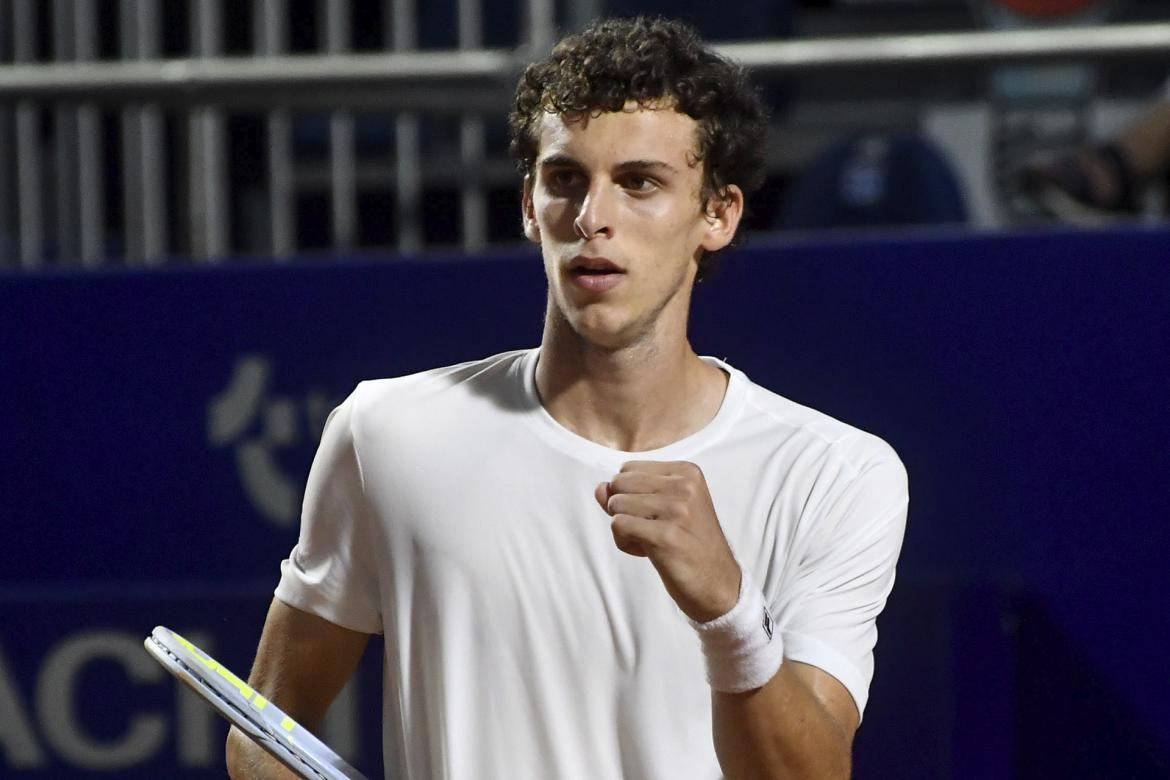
[606,557]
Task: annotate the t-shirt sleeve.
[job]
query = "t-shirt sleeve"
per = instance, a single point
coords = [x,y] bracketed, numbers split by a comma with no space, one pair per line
[828,609]
[330,571]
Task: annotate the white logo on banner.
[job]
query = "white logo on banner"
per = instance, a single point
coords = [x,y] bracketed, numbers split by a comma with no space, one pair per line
[257,426]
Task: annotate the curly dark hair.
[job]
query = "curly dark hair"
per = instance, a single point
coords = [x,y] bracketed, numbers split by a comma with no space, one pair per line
[647,60]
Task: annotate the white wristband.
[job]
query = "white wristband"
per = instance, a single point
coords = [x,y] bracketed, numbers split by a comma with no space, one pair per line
[742,648]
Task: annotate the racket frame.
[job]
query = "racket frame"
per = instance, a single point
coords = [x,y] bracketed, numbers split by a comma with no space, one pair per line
[266,724]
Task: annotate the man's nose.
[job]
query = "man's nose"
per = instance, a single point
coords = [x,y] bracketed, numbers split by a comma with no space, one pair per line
[594,214]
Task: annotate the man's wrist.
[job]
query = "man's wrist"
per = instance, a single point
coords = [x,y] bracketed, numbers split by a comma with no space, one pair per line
[742,647]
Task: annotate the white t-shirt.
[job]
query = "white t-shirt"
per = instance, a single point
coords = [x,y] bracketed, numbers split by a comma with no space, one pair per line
[449,511]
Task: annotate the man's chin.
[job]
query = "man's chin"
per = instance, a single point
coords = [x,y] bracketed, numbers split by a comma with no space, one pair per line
[603,330]
[600,324]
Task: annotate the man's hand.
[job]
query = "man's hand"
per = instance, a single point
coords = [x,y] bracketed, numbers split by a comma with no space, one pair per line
[663,511]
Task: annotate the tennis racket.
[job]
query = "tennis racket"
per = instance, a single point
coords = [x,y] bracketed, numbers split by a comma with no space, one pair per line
[290,743]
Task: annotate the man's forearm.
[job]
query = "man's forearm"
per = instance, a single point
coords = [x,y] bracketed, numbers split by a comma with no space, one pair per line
[781,730]
[1147,141]
[248,761]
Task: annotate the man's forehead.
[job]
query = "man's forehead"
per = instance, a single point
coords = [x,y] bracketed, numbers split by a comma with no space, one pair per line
[642,132]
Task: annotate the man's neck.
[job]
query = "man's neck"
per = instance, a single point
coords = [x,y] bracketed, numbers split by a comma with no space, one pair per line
[635,398]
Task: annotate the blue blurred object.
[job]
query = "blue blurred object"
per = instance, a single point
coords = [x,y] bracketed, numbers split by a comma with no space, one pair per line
[874,180]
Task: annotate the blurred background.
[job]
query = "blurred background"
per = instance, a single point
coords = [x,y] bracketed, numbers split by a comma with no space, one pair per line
[216,217]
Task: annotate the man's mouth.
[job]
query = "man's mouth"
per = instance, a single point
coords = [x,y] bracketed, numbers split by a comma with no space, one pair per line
[595,274]
[593,266]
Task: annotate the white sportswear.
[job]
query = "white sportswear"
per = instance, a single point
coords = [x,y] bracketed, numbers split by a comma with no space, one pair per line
[449,511]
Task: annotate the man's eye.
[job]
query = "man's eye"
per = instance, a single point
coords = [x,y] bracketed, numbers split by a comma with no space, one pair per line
[563,179]
[638,183]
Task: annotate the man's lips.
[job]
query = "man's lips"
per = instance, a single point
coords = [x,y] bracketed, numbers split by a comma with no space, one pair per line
[595,274]
[583,264]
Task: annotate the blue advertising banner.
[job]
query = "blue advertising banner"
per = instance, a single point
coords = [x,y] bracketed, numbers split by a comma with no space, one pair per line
[81,696]
[158,427]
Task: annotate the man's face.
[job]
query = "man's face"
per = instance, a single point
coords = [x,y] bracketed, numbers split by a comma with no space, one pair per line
[613,202]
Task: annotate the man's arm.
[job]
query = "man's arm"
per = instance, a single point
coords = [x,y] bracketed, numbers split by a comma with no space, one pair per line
[1146,142]
[800,723]
[302,663]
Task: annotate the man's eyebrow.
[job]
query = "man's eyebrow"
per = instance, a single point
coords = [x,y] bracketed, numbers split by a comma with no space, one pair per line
[558,160]
[647,165]
[565,161]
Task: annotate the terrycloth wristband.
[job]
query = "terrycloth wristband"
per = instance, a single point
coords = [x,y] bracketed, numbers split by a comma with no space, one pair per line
[742,648]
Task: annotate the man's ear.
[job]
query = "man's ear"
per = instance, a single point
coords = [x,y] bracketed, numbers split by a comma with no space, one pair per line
[531,229]
[722,215]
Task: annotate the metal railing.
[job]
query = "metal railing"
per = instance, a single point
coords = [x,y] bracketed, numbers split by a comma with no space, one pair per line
[471,84]
[173,145]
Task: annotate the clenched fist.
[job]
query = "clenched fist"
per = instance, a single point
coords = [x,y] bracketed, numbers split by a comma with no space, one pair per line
[663,511]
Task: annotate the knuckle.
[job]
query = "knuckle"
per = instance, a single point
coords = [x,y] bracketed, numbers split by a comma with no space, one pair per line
[668,537]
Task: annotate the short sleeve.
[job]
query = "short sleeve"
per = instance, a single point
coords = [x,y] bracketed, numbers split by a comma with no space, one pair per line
[331,571]
[829,606]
